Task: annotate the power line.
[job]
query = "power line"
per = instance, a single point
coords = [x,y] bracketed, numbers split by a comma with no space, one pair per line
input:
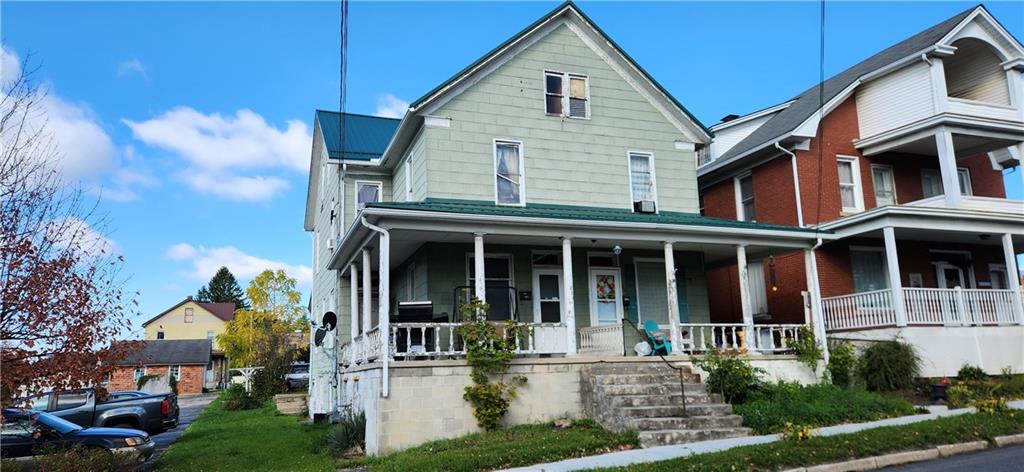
[821,113]
[342,75]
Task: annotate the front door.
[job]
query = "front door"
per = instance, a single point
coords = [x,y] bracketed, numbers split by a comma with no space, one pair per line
[548,293]
[950,276]
[605,296]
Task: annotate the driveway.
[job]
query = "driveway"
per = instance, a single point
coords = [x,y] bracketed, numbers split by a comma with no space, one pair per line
[189,409]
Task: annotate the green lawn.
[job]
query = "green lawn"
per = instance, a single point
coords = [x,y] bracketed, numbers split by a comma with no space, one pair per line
[260,439]
[511,447]
[823,450]
[816,405]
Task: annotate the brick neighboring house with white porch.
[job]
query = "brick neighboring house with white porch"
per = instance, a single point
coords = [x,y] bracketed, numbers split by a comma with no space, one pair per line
[905,166]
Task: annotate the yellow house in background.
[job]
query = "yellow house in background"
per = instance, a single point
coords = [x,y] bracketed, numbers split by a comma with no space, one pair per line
[190,319]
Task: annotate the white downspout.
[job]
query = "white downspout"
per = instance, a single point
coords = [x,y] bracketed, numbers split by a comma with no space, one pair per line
[383,301]
[796,185]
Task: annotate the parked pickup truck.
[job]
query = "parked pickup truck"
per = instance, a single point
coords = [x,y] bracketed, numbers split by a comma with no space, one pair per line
[153,413]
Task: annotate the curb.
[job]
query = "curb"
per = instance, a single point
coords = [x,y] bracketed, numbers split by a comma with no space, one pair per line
[907,457]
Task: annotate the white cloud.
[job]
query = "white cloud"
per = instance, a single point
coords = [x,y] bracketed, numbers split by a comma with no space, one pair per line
[390,106]
[77,234]
[224,151]
[132,66]
[206,261]
[10,65]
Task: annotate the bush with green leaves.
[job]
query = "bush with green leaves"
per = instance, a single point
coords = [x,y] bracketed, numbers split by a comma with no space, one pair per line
[79,458]
[236,398]
[348,436]
[772,406]
[729,374]
[806,348]
[970,373]
[842,362]
[490,348]
[887,366]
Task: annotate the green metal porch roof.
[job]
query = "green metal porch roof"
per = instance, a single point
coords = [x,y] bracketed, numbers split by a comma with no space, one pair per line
[573,212]
[366,137]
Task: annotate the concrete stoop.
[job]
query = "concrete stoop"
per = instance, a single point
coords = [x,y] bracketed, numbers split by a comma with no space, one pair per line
[907,457]
[646,397]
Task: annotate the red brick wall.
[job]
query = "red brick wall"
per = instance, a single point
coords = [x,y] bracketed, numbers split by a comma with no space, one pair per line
[985,181]
[774,180]
[724,295]
[190,378]
[785,304]
[720,200]
[839,129]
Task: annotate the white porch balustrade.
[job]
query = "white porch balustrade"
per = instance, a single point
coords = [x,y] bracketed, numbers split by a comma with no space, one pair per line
[767,338]
[924,307]
[412,340]
[601,340]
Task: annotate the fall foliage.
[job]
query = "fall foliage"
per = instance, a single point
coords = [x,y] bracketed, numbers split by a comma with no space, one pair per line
[257,333]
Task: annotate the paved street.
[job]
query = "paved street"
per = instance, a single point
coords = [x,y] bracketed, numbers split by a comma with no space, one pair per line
[190,408]
[1005,459]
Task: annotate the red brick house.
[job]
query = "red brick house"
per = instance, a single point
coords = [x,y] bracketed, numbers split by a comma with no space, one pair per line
[874,157]
[184,359]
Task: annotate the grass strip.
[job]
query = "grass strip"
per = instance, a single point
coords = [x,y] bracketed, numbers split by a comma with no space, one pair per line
[816,405]
[510,447]
[260,439]
[829,449]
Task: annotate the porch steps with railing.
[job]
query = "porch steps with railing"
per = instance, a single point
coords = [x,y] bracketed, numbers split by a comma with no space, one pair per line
[646,397]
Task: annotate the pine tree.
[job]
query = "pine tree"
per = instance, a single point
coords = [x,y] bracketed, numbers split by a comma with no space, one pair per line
[223,288]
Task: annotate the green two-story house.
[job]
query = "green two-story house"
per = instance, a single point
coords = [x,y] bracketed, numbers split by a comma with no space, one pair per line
[553,179]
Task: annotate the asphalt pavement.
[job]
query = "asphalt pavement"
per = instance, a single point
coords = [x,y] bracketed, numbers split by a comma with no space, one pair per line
[1003,459]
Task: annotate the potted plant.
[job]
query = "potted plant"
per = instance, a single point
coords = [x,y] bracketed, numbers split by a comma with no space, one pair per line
[939,388]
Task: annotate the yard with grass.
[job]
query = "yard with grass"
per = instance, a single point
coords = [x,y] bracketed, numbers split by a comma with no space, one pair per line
[259,439]
[511,447]
[829,449]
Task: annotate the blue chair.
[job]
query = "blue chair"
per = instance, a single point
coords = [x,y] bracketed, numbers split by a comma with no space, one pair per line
[659,345]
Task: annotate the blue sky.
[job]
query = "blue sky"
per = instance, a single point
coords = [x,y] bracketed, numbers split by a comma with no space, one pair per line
[192,120]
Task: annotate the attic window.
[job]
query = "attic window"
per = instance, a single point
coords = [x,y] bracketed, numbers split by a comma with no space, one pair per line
[189,315]
[566,95]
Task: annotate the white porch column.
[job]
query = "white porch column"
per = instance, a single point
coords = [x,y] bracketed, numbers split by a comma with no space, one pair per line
[749,339]
[947,167]
[353,274]
[673,298]
[367,291]
[568,298]
[814,292]
[1013,277]
[892,262]
[384,305]
[480,285]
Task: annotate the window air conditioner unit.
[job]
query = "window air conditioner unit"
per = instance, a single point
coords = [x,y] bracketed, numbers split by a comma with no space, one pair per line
[330,244]
[647,206]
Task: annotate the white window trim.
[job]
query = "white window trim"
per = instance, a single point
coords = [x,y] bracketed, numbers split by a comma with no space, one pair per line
[505,255]
[547,270]
[740,214]
[654,177]
[969,191]
[566,76]
[545,252]
[892,173]
[355,192]
[938,174]
[408,178]
[170,371]
[997,268]
[858,187]
[522,170]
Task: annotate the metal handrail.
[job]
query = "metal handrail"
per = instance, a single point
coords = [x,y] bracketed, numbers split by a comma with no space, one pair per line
[682,386]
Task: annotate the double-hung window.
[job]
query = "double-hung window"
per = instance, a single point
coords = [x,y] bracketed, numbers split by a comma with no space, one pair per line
[931,182]
[566,94]
[885,187]
[641,179]
[850,193]
[508,172]
[745,198]
[175,372]
[189,315]
[367,192]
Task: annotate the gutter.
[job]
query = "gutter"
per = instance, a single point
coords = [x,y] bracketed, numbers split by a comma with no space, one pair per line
[796,186]
[384,300]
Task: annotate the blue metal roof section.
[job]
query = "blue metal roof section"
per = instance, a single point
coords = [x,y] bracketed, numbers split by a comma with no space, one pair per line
[366,137]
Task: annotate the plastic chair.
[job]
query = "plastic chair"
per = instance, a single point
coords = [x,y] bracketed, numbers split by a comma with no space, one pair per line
[659,345]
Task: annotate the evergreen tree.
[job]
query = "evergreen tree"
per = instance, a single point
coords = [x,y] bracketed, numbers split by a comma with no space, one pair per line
[223,288]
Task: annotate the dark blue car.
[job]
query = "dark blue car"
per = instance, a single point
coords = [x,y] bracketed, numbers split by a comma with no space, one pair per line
[26,433]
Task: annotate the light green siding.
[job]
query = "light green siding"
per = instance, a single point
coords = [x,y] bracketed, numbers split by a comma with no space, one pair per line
[417,157]
[350,193]
[567,161]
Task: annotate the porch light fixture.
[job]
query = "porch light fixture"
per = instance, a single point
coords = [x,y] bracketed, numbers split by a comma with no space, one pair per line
[771,272]
[617,250]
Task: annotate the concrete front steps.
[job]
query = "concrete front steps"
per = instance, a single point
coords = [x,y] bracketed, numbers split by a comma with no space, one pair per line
[646,397]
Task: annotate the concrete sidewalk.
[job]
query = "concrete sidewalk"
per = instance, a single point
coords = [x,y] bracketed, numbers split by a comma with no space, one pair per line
[661,453]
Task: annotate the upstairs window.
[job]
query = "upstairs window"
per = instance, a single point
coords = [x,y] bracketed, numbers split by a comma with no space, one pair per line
[567,95]
[963,175]
[367,192]
[641,179]
[885,187]
[189,315]
[849,184]
[159,334]
[745,198]
[508,172]
[931,182]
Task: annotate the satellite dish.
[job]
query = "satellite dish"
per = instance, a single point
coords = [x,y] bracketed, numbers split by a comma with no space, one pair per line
[318,338]
[329,321]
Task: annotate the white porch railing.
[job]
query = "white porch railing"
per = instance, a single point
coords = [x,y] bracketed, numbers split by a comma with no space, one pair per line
[970,202]
[773,338]
[601,340]
[924,306]
[411,340]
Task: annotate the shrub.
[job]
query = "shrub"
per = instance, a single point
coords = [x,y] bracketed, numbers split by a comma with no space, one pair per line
[729,374]
[347,436]
[889,365]
[768,410]
[236,398]
[970,373]
[173,382]
[959,396]
[79,458]
[842,361]
[796,432]
[992,406]
[806,348]
[489,351]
